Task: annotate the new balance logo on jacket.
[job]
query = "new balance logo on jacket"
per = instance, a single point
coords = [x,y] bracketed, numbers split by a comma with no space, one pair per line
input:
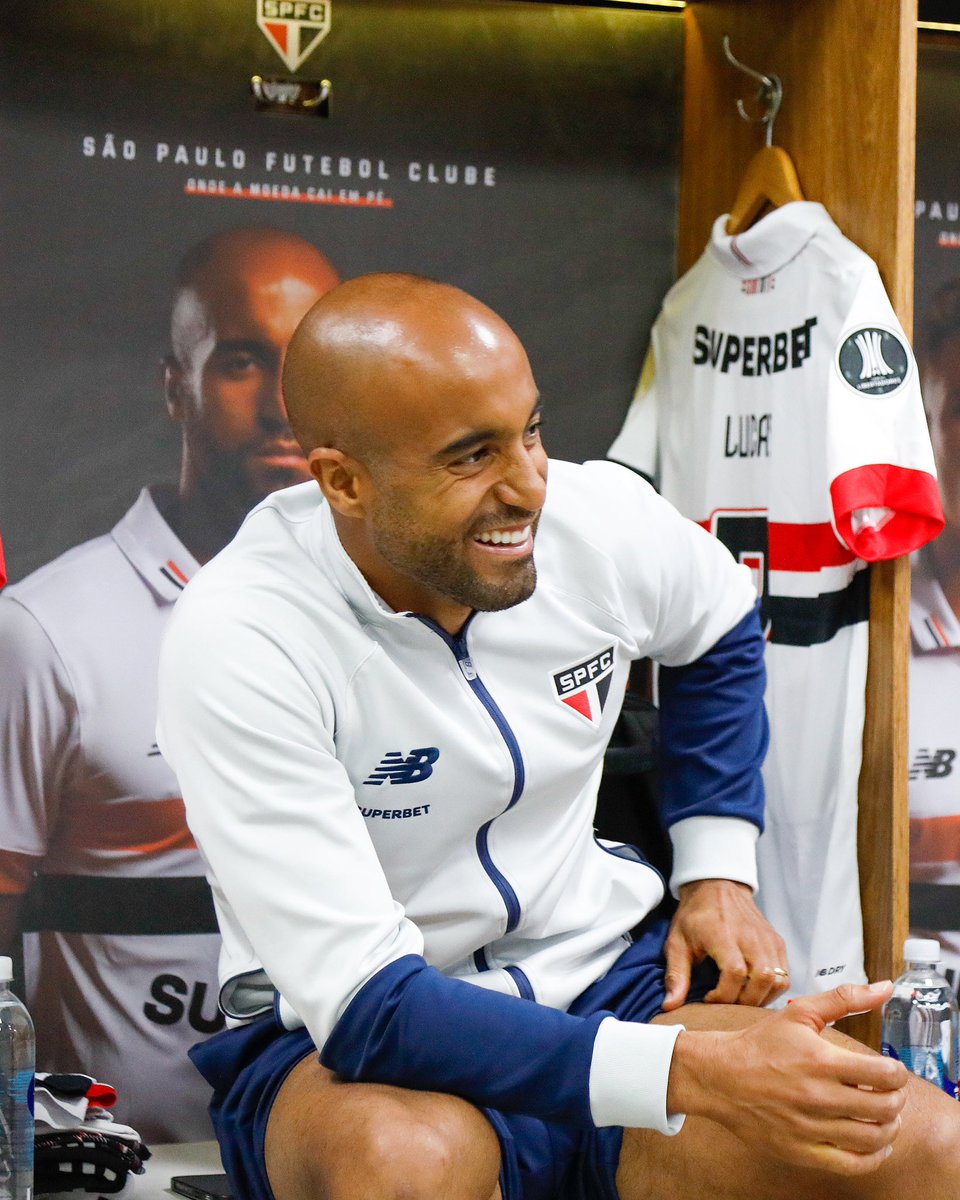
[394,768]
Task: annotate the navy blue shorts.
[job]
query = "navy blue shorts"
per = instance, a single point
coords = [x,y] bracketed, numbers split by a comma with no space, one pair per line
[540,1160]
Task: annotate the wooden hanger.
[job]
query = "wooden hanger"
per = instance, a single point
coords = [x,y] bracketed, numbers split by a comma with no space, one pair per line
[770,178]
[769,181]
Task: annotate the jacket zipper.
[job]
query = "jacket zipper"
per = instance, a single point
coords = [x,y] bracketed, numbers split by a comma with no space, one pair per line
[462,654]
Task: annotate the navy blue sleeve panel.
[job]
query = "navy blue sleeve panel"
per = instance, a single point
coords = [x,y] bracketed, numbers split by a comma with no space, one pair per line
[713,729]
[412,1026]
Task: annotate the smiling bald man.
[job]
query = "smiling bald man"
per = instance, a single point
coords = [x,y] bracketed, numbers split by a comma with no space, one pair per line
[387,703]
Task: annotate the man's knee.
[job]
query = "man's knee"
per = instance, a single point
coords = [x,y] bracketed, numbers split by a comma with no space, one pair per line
[403,1153]
[934,1123]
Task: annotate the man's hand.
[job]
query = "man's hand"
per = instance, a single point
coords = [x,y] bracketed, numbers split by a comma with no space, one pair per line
[719,918]
[795,1095]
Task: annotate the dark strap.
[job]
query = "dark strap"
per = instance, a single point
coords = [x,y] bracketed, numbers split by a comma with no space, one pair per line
[118,907]
[935,905]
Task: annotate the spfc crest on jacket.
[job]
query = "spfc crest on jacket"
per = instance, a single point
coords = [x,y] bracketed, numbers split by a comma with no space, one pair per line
[583,687]
[294,28]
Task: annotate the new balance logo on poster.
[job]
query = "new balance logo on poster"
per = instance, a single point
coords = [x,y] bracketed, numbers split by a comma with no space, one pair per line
[294,28]
[394,768]
[937,765]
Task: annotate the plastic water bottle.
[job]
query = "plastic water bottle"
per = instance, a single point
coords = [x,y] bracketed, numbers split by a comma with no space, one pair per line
[16,1092]
[920,1020]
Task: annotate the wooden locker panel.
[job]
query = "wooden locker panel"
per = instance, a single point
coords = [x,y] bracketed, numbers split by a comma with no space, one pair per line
[848,121]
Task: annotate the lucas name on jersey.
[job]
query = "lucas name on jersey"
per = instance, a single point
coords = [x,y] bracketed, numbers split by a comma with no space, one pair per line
[756,354]
[747,436]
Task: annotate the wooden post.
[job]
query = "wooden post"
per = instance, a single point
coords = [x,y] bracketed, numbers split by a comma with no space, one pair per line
[848,121]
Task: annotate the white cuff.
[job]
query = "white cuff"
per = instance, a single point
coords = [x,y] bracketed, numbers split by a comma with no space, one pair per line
[629,1074]
[714,848]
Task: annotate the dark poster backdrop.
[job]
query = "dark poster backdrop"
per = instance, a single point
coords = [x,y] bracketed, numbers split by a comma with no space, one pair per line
[526,152]
[938,170]
[935,662]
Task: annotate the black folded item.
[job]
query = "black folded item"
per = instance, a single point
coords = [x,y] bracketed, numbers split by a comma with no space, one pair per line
[68,1160]
[68,1084]
[74,1086]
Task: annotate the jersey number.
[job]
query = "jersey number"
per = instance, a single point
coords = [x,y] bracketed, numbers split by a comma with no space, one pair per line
[745,535]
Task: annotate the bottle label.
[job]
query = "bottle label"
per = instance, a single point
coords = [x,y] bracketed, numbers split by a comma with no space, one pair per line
[926,1062]
[16,1135]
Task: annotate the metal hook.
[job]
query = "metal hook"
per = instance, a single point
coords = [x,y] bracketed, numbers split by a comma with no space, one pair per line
[769,93]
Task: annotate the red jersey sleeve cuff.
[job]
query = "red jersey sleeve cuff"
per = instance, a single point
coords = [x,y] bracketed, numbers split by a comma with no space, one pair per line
[913,514]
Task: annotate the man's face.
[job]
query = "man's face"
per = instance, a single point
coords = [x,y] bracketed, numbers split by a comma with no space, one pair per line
[231,333]
[458,496]
[941,396]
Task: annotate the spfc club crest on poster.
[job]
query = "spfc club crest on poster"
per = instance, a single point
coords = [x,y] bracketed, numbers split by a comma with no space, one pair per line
[294,28]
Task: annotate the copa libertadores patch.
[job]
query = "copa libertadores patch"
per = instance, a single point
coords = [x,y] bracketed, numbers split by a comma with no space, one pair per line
[873,360]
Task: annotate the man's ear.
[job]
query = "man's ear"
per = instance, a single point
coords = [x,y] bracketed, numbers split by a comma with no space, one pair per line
[341,479]
[173,387]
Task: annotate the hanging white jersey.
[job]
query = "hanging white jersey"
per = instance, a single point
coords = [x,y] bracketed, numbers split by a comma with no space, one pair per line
[934,768]
[121,969]
[779,406]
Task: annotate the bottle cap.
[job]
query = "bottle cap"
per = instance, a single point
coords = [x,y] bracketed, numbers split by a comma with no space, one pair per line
[6,968]
[921,950]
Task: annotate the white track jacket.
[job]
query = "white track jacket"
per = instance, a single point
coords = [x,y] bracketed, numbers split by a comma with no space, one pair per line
[369,791]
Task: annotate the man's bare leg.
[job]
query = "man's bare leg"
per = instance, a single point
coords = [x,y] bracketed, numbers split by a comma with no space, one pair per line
[328,1140]
[706,1159]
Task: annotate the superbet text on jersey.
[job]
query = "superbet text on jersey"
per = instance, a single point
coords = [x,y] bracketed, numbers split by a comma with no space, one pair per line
[779,406]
